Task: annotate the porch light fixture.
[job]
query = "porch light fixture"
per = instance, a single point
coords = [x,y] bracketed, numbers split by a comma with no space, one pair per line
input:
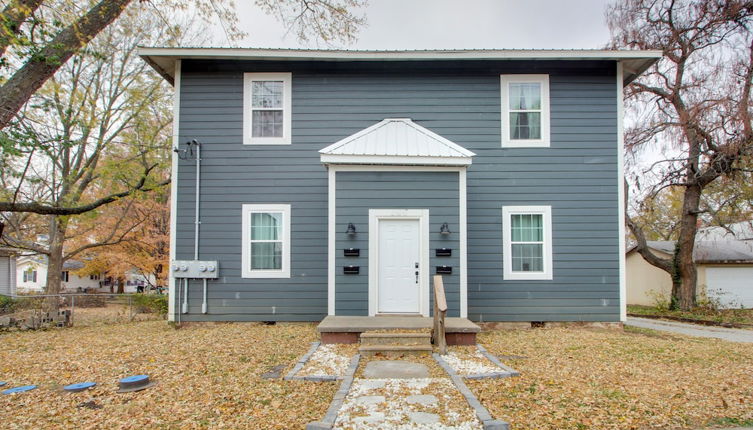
[351,229]
[445,229]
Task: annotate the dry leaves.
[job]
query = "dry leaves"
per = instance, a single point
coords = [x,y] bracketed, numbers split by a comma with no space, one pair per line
[207,376]
[604,379]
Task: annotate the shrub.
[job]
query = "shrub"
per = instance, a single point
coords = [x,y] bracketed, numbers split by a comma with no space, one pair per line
[7,304]
[661,301]
[150,303]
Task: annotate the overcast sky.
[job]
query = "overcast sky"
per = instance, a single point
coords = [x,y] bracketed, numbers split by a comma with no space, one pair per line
[434,24]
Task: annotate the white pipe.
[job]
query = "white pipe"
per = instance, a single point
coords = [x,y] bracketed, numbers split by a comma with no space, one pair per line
[197,221]
[185,296]
[204,305]
[177,298]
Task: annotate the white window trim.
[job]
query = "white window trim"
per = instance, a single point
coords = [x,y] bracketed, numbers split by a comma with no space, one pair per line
[246,271]
[507,212]
[248,79]
[505,81]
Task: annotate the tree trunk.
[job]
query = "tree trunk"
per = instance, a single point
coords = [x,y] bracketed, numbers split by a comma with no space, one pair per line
[58,227]
[684,275]
[121,285]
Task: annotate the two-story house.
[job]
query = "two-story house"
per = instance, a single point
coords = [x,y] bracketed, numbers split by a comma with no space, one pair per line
[309,183]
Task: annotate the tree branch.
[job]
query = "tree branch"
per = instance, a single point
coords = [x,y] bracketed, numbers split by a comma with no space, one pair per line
[13,16]
[31,76]
[44,209]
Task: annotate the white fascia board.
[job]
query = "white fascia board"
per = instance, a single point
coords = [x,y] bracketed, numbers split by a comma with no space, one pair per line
[386,159]
[450,54]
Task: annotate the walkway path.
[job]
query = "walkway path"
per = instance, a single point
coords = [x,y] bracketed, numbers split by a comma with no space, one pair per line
[728,334]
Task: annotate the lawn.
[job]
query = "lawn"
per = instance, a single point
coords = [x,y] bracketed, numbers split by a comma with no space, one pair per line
[600,379]
[209,376]
[742,318]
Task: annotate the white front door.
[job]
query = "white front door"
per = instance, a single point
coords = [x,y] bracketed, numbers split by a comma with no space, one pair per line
[399,283]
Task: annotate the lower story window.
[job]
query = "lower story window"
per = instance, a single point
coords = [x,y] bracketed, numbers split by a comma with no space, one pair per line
[527,240]
[30,275]
[266,241]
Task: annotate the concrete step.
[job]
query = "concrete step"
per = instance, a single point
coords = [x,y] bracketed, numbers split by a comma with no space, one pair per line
[394,350]
[397,338]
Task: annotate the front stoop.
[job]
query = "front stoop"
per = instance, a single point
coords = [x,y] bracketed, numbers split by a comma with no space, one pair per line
[395,344]
[347,329]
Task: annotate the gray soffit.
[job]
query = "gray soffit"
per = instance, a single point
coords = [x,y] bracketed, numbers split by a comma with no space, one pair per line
[163,59]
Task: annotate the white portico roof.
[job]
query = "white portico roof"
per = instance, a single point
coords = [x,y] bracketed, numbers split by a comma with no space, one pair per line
[396,141]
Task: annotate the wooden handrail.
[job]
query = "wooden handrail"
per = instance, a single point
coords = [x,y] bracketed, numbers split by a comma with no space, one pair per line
[440,311]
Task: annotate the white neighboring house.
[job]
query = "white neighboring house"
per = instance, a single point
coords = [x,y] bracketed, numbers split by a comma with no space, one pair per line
[31,273]
[8,271]
[724,263]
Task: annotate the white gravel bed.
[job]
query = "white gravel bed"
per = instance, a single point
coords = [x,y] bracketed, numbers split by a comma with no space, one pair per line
[327,360]
[426,403]
[471,363]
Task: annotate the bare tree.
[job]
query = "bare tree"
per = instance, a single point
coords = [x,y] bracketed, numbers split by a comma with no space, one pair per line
[696,99]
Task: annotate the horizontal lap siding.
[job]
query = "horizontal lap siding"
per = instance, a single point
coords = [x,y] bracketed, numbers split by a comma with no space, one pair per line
[357,192]
[577,176]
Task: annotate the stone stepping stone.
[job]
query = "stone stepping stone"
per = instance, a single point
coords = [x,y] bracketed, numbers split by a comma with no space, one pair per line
[423,418]
[369,400]
[395,369]
[422,399]
[374,418]
[372,384]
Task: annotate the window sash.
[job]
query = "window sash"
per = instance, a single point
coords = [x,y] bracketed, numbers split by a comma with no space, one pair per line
[270,233]
[527,240]
[267,108]
[525,110]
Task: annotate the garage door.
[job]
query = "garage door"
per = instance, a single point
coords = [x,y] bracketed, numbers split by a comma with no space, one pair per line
[732,286]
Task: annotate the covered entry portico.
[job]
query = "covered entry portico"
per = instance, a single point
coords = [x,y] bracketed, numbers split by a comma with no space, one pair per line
[397,215]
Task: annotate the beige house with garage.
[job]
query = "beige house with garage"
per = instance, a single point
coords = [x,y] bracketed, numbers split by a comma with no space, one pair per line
[725,272]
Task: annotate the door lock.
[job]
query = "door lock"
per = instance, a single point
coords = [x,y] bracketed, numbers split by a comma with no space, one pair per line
[416,264]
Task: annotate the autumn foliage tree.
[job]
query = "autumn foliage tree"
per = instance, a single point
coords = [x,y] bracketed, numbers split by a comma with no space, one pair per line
[697,100]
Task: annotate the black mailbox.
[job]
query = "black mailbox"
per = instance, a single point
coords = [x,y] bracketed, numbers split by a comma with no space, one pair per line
[351,270]
[352,252]
[444,270]
[443,252]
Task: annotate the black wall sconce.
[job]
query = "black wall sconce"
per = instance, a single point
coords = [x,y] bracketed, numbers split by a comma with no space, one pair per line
[445,229]
[351,231]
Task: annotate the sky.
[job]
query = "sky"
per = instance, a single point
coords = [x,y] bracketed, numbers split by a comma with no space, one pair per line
[436,24]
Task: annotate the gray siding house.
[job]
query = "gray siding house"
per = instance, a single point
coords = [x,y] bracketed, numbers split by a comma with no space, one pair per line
[309,183]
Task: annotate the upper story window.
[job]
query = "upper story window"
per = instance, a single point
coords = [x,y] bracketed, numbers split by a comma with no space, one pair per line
[525,110]
[266,241]
[64,276]
[266,108]
[527,242]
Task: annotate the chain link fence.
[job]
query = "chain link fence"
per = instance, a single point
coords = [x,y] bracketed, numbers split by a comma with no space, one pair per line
[33,311]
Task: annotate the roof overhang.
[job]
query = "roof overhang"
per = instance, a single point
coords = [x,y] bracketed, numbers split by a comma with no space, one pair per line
[396,141]
[163,59]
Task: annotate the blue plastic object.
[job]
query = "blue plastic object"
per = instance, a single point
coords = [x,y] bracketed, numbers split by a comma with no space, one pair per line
[19,389]
[81,386]
[2,383]
[135,378]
